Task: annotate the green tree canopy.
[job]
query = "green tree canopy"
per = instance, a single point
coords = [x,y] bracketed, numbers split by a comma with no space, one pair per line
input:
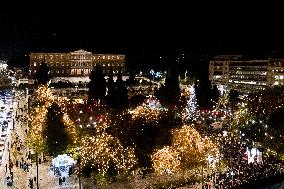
[56,135]
[5,81]
[42,76]
[97,85]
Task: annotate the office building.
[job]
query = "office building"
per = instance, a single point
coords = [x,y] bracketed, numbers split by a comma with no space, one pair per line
[243,74]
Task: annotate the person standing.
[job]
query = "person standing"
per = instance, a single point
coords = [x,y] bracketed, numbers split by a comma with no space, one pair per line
[60,181]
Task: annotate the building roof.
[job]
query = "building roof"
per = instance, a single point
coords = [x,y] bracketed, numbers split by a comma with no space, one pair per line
[229,57]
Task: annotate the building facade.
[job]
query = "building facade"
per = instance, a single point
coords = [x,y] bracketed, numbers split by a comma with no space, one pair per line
[77,63]
[239,73]
[3,65]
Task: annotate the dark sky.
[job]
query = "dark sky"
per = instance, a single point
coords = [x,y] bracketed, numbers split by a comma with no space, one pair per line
[138,30]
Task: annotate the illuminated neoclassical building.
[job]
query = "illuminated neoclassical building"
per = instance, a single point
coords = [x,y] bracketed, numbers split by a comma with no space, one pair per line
[77,63]
[240,73]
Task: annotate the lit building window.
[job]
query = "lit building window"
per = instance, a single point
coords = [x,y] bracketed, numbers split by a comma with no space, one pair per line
[62,63]
[108,57]
[108,65]
[57,71]
[34,64]
[104,57]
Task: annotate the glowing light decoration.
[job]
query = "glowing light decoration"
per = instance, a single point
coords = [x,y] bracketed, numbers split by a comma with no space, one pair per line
[102,150]
[188,150]
[145,112]
[37,118]
[190,110]
[153,103]
[166,161]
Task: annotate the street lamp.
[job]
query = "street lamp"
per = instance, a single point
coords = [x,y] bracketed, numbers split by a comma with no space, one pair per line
[37,171]
[79,174]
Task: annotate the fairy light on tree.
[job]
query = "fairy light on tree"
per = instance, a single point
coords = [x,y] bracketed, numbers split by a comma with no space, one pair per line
[102,150]
[187,151]
[166,161]
[190,110]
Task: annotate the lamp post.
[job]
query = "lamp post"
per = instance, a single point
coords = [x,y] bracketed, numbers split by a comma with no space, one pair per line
[37,171]
[79,174]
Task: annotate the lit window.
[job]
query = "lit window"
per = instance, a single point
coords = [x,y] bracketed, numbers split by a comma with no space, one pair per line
[108,65]
[104,57]
[57,71]
[117,57]
[51,56]
[104,65]
[34,63]
[62,63]
[94,58]
[108,57]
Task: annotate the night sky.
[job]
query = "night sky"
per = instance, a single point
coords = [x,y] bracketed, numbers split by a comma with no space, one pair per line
[142,34]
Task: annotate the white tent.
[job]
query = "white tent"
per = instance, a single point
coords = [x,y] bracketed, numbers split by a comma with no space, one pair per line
[63,160]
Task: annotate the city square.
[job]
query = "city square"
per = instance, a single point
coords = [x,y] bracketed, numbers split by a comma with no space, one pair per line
[90,105]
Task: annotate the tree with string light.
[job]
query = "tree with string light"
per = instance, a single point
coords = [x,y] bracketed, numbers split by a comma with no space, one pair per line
[56,135]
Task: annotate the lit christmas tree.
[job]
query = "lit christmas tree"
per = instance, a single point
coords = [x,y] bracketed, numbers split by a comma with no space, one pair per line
[191,109]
